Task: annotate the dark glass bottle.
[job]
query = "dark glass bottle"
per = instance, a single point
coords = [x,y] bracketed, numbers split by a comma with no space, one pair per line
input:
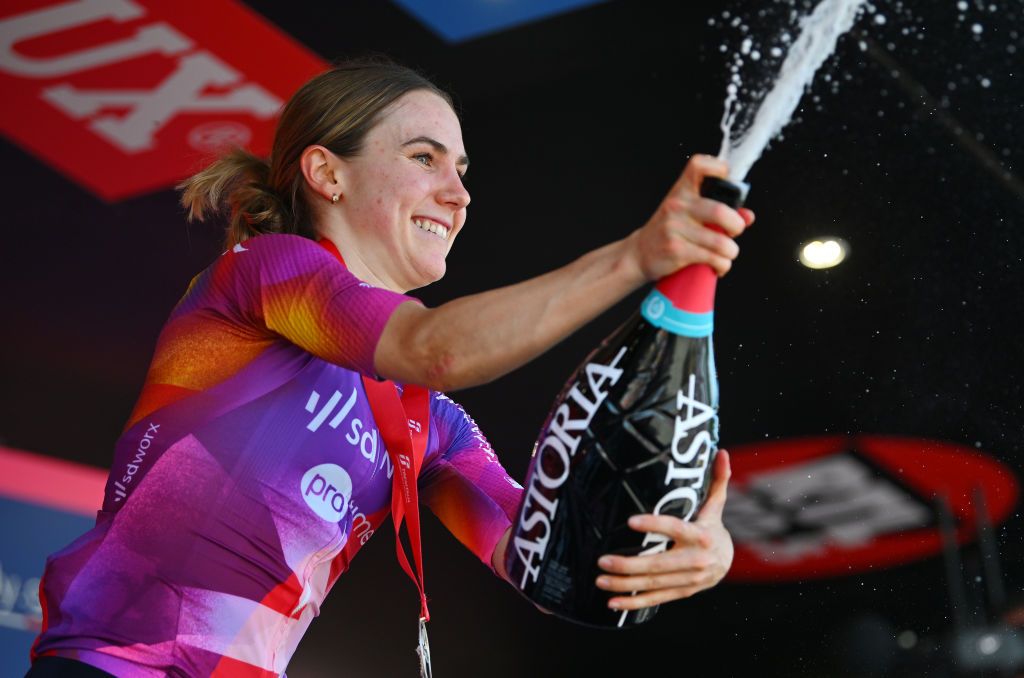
[634,430]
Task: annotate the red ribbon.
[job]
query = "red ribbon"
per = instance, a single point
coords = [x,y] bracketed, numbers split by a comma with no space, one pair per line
[404,424]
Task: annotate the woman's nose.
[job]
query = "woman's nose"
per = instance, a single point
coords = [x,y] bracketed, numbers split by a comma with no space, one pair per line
[454,193]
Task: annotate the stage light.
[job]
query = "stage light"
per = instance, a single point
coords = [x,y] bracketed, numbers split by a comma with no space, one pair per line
[824,252]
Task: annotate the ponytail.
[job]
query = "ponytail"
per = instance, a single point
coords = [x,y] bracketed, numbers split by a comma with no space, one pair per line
[235,185]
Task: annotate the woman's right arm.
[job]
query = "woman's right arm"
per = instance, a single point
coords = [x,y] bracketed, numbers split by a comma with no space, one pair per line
[478,338]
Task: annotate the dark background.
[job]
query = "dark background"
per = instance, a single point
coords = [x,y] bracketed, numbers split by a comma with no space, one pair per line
[577,125]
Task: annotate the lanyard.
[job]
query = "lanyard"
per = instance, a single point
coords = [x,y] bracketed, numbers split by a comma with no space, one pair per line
[404,425]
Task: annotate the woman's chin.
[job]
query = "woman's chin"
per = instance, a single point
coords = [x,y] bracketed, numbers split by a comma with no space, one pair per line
[429,272]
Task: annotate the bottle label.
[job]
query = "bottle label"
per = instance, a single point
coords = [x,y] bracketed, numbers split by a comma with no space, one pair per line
[553,460]
[658,310]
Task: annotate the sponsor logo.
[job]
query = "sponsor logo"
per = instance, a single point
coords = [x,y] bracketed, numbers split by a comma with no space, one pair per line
[328,408]
[327,489]
[687,471]
[835,506]
[551,463]
[362,528]
[132,467]
[688,463]
[366,440]
[115,92]
[213,136]
[655,308]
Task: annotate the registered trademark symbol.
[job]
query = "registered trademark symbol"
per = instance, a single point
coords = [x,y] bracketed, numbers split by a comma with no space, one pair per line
[215,136]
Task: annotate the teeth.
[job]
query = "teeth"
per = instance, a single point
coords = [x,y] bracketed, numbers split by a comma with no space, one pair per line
[432,227]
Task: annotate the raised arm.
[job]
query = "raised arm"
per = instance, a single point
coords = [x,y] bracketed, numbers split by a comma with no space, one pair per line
[475,339]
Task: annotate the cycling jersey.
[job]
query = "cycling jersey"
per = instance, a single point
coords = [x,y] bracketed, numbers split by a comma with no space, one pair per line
[250,473]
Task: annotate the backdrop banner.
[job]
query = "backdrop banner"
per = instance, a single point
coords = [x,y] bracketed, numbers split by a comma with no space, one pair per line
[832,506]
[130,96]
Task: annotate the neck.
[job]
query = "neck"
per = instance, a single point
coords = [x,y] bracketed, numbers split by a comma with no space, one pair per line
[357,263]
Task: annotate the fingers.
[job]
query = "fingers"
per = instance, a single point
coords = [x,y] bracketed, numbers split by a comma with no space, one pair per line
[672,561]
[652,598]
[690,220]
[698,579]
[699,166]
[717,494]
[678,234]
[748,215]
[707,211]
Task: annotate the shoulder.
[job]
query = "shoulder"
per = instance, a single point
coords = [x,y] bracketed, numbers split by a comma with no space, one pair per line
[281,256]
[279,244]
[455,423]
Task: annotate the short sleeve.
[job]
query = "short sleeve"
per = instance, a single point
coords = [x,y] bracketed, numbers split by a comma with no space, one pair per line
[465,485]
[295,288]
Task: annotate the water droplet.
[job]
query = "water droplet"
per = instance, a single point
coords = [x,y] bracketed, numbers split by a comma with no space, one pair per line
[880,19]
[986,83]
[977,29]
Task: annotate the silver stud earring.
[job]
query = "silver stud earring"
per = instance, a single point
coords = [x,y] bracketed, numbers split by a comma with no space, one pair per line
[335,198]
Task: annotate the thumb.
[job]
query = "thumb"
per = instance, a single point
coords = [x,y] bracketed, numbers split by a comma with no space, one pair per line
[715,503]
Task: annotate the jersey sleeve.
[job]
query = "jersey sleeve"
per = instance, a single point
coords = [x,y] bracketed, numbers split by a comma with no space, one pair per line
[295,288]
[465,485]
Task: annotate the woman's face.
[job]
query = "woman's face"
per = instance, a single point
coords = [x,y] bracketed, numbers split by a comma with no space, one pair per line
[403,197]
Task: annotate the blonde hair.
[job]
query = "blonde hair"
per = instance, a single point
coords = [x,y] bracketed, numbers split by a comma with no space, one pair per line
[335,109]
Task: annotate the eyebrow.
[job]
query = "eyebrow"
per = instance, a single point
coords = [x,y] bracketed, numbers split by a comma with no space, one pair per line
[437,146]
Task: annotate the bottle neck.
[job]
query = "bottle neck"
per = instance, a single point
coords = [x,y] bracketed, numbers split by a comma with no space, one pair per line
[683,302]
[691,289]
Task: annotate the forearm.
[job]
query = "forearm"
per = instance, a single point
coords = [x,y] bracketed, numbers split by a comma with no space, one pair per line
[477,338]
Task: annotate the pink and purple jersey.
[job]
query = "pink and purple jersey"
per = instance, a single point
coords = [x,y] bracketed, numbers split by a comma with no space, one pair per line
[250,473]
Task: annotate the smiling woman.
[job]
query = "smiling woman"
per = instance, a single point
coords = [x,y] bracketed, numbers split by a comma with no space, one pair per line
[265,446]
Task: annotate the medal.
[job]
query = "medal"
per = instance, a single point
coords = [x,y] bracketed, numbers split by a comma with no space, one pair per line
[424,650]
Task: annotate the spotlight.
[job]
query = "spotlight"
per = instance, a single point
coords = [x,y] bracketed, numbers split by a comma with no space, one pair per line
[824,252]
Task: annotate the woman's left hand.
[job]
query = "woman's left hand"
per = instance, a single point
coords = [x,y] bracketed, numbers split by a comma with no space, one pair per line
[700,555]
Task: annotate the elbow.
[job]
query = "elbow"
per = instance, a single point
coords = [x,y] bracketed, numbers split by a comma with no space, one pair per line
[419,347]
[439,366]
[440,371]
[444,370]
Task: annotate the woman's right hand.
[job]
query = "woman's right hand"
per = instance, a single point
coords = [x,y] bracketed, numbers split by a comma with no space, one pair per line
[676,235]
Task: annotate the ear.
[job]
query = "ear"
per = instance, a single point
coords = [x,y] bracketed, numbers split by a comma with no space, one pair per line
[322,170]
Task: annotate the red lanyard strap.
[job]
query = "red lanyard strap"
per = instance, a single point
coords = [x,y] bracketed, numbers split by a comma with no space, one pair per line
[404,426]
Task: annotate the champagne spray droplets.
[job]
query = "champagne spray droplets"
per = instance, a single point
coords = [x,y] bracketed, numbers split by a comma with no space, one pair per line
[819,33]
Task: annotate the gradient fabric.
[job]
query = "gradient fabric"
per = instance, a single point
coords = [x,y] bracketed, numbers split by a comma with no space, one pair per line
[250,473]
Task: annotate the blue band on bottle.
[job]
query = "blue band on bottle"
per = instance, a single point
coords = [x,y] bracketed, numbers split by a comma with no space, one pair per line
[658,310]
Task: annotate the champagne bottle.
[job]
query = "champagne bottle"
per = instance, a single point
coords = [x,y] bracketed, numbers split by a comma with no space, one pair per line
[634,430]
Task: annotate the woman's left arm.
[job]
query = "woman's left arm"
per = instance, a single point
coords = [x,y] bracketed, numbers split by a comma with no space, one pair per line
[700,556]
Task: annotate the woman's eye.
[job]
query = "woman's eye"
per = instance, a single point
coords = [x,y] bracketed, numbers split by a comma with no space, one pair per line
[424,159]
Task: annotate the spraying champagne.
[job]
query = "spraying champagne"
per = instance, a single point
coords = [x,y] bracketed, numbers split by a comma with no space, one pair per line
[634,430]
